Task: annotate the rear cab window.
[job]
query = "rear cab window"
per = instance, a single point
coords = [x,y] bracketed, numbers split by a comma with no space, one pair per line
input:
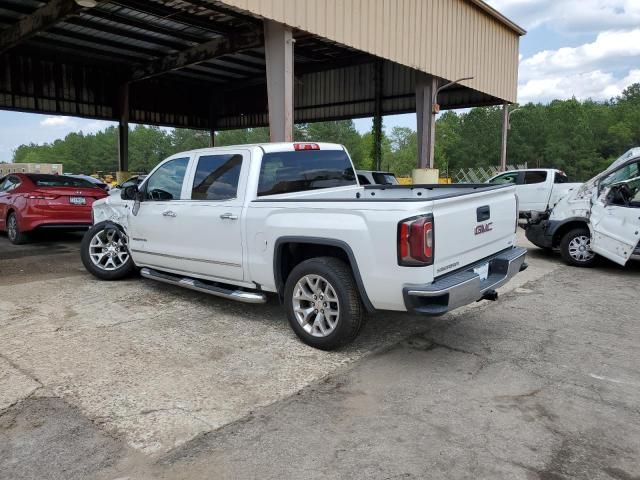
[385,178]
[304,170]
[561,177]
[535,176]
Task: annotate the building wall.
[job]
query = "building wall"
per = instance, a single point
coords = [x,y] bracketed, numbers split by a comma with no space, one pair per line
[447,38]
[53,168]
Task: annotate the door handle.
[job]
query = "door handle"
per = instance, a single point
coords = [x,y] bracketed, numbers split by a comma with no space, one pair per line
[228,216]
[168,213]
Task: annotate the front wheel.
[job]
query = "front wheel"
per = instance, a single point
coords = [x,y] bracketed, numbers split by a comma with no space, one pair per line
[323,304]
[575,248]
[105,252]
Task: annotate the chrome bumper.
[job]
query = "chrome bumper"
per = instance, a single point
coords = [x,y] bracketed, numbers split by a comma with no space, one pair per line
[463,287]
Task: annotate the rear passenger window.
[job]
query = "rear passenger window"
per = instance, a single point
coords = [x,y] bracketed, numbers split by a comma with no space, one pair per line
[535,177]
[505,178]
[303,170]
[560,178]
[217,177]
[9,184]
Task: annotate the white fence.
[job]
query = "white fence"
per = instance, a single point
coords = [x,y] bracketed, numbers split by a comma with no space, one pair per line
[481,174]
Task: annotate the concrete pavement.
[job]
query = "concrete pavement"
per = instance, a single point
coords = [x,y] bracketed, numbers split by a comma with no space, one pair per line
[179,385]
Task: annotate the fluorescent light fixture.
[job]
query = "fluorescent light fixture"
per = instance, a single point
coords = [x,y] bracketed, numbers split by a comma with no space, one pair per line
[87,3]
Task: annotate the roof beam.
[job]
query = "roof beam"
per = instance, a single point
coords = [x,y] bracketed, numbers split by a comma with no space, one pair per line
[43,18]
[200,53]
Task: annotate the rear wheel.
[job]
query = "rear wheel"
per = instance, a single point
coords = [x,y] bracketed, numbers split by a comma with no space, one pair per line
[323,304]
[105,252]
[575,248]
[13,230]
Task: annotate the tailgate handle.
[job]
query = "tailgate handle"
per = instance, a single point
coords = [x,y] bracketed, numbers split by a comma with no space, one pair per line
[483,213]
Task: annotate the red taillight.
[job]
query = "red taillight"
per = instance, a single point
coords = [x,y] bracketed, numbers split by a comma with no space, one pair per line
[306,146]
[36,195]
[415,241]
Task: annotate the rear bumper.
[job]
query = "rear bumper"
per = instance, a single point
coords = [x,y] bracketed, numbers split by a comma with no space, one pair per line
[62,219]
[463,287]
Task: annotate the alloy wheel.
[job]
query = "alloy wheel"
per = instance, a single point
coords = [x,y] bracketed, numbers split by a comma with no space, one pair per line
[316,305]
[108,249]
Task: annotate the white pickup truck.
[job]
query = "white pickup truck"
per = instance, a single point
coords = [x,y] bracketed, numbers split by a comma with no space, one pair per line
[291,219]
[538,189]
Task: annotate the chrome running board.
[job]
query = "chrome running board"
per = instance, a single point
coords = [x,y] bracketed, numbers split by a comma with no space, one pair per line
[205,287]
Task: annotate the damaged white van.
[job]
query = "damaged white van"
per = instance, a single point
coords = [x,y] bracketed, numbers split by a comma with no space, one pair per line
[602,217]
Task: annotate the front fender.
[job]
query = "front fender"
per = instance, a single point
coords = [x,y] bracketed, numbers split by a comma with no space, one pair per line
[112,209]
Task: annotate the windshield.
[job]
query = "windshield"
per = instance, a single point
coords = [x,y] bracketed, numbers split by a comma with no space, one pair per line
[59,181]
[385,178]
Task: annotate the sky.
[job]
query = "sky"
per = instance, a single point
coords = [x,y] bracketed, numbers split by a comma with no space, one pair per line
[573,48]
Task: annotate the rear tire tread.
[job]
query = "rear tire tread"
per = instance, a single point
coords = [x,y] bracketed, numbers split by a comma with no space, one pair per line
[20,237]
[352,316]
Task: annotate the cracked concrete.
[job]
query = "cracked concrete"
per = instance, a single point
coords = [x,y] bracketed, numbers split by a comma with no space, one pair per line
[540,385]
[156,364]
[494,394]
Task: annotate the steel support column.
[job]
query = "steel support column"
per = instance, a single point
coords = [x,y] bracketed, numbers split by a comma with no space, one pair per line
[505,130]
[426,86]
[377,117]
[279,59]
[123,133]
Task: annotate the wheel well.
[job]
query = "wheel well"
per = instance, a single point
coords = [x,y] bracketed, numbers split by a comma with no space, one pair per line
[560,232]
[6,218]
[288,254]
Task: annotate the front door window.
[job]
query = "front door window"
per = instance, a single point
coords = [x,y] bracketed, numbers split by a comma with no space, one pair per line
[166,182]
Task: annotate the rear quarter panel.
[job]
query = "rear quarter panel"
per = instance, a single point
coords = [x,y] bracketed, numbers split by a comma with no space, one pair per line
[370,229]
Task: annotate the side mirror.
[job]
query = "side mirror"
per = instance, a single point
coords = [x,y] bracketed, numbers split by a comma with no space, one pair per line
[129,193]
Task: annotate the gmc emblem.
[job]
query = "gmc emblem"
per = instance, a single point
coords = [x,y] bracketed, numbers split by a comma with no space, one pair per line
[484,228]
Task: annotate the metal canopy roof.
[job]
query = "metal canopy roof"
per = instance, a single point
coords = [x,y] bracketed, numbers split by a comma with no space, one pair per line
[191,63]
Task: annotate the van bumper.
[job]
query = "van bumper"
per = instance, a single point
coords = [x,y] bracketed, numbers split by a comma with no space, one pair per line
[540,234]
[463,287]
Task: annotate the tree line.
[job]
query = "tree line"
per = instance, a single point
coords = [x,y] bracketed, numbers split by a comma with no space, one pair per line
[579,137]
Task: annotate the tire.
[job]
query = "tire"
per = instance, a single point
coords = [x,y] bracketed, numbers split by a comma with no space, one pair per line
[571,246]
[323,276]
[13,230]
[105,254]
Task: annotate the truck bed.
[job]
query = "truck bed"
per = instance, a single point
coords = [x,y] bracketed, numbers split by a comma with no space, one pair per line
[386,193]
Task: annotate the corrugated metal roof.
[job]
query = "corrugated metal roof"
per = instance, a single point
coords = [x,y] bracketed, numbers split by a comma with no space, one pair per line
[76,66]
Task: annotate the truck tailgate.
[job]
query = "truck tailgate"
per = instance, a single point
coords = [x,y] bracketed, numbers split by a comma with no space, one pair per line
[471,227]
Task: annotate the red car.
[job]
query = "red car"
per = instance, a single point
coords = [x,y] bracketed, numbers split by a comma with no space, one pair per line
[30,201]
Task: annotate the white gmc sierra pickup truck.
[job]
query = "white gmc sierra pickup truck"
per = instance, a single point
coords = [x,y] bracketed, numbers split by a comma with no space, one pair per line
[291,219]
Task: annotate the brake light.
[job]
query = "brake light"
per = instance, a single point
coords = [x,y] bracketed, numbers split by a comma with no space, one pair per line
[41,196]
[306,146]
[416,241]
